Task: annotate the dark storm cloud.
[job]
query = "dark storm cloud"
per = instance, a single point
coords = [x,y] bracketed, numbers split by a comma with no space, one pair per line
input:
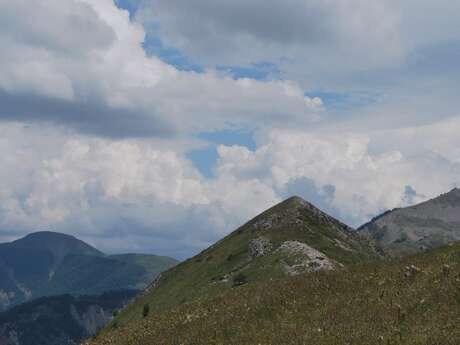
[283,22]
[206,28]
[91,118]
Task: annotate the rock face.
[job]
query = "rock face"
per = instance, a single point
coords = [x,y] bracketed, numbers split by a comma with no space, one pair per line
[60,320]
[417,228]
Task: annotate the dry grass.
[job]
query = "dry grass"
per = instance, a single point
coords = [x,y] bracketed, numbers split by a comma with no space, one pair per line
[367,304]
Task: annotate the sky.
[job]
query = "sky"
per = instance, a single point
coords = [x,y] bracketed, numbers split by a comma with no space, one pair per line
[159,126]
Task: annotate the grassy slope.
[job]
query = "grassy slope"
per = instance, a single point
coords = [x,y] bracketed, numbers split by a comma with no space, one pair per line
[369,303]
[202,275]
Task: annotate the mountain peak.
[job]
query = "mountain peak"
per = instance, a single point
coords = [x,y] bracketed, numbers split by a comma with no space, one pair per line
[299,202]
[296,199]
[452,197]
[45,234]
[296,209]
[58,244]
[46,262]
[417,228]
[290,238]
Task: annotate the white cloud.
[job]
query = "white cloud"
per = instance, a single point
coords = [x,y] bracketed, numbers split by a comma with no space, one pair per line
[103,189]
[106,191]
[369,172]
[87,70]
[92,60]
[396,51]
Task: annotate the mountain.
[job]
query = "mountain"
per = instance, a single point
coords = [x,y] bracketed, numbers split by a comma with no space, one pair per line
[47,263]
[291,238]
[60,320]
[417,228]
[412,300]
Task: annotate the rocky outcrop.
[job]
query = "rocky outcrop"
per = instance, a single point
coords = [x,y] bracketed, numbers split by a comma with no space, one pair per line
[8,336]
[266,223]
[260,246]
[5,298]
[304,258]
[92,319]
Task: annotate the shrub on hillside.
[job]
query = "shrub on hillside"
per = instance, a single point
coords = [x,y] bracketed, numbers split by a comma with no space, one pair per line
[240,279]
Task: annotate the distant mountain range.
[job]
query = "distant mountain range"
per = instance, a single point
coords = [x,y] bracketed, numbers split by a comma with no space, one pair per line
[48,263]
[418,228]
[60,320]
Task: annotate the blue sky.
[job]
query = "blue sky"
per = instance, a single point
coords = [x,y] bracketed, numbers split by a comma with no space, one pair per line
[164,130]
[205,159]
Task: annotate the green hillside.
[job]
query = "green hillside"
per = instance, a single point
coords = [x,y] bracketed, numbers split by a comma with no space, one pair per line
[415,300]
[47,263]
[291,238]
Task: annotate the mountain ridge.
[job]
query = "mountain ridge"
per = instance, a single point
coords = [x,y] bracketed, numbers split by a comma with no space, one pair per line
[236,293]
[60,320]
[287,239]
[417,228]
[49,263]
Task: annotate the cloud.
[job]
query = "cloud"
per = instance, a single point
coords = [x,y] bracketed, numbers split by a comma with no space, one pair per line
[87,117]
[88,70]
[106,190]
[94,132]
[69,16]
[409,195]
[396,51]
[243,32]
[141,195]
[352,175]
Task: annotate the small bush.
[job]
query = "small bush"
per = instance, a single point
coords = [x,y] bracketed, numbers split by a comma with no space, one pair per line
[145,310]
[240,279]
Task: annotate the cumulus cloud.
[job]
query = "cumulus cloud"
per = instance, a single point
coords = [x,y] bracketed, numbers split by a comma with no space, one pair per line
[94,132]
[138,195]
[396,51]
[352,175]
[88,70]
[108,190]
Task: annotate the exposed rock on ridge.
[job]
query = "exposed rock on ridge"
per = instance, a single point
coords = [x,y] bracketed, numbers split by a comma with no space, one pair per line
[418,228]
